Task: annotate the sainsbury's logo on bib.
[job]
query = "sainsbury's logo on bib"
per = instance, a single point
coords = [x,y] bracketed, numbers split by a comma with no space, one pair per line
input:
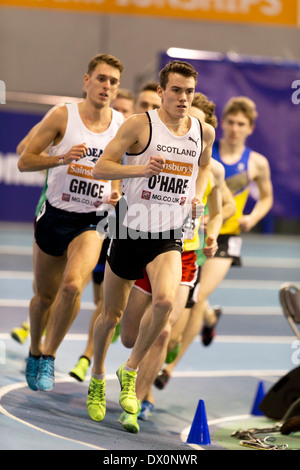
[81,171]
[178,168]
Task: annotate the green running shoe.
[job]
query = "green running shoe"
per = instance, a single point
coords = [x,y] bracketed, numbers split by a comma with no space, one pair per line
[129,422]
[21,334]
[128,399]
[96,404]
[171,355]
[81,368]
[116,333]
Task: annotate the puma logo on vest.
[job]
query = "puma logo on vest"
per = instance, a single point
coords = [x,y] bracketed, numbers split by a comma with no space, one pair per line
[195,141]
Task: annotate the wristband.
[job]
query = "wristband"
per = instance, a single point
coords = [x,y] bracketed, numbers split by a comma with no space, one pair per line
[61,161]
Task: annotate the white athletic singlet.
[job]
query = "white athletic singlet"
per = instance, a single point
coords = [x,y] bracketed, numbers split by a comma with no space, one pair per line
[160,203]
[72,188]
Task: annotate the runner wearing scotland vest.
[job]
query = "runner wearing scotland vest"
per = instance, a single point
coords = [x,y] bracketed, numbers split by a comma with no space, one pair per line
[166,174]
[67,246]
[161,203]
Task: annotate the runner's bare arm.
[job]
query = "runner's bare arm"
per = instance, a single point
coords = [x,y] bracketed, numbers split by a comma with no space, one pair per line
[204,166]
[32,157]
[261,175]
[25,141]
[228,203]
[214,203]
[109,165]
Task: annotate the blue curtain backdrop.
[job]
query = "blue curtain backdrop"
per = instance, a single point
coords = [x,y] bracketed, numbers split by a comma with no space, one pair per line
[19,193]
[277,133]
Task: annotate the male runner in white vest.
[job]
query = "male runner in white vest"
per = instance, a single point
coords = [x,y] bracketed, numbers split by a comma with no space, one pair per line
[67,244]
[166,173]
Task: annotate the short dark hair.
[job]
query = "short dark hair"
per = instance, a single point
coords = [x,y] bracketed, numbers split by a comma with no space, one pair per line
[107,59]
[176,66]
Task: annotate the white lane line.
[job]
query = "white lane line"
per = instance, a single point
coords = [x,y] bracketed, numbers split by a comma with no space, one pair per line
[8,388]
[183,435]
[228,373]
[16,250]
[254,339]
[256,262]
[227,310]
[218,339]
[27,275]
[250,261]
[260,284]
[25,303]
[250,310]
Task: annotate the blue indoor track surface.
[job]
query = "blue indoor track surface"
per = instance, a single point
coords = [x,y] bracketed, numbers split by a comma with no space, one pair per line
[254,343]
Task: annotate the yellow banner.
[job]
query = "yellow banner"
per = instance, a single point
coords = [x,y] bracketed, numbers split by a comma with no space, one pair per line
[272,12]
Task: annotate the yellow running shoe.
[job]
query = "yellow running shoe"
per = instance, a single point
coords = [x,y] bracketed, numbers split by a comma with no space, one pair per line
[96,403]
[128,399]
[21,334]
[81,368]
[129,422]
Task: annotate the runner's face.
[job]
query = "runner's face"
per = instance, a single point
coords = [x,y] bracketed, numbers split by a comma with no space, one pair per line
[178,95]
[236,128]
[124,106]
[102,85]
[146,101]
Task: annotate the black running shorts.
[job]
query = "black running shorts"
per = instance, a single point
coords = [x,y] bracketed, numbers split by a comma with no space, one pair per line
[128,257]
[229,246]
[56,228]
[98,272]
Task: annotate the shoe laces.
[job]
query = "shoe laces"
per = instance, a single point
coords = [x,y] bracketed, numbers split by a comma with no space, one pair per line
[98,390]
[128,383]
[47,366]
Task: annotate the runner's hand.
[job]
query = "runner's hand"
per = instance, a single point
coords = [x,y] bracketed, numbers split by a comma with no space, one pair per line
[246,223]
[113,198]
[154,166]
[197,208]
[211,248]
[76,153]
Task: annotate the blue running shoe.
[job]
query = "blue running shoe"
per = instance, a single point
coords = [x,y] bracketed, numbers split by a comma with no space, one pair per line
[32,370]
[45,380]
[146,410]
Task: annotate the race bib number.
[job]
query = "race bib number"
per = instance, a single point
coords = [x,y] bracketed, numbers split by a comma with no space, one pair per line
[190,227]
[171,186]
[80,187]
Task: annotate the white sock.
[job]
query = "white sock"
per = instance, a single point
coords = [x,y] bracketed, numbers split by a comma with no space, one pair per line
[129,369]
[98,377]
